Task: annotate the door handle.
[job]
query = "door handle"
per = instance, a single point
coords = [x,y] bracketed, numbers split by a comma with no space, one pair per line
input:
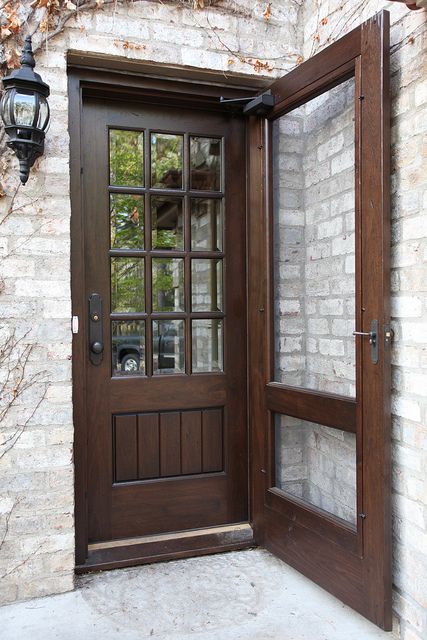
[373,339]
[96,342]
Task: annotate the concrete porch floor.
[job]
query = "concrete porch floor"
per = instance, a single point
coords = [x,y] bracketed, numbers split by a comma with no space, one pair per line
[248,595]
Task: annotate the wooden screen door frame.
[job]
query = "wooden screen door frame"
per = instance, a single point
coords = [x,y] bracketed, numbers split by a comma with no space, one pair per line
[354,565]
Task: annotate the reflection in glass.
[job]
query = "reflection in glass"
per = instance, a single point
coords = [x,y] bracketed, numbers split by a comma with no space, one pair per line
[166,160]
[126,158]
[168,284]
[207,349]
[206,285]
[42,121]
[24,108]
[127,221]
[168,346]
[128,347]
[314,249]
[317,464]
[205,159]
[206,224]
[127,285]
[167,223]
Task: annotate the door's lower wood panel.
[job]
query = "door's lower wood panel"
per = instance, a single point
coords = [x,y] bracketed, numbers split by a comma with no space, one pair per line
[187,502]
[166,444]
[330,565]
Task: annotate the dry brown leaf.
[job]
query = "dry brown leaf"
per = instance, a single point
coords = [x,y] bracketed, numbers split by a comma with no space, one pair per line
[13,59]
[324,21]
[267,12]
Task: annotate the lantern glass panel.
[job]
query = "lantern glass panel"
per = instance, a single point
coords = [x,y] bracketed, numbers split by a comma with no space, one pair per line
[24,108]
[4,108]
[43,118]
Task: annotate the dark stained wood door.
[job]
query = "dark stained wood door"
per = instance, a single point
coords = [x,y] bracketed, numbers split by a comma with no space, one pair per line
[164,247]
[319,332]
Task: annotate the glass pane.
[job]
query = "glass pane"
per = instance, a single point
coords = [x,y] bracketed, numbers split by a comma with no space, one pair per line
[205,158]
[127,221]
[314,247]
[168,346]
[166,161]
[127,285]
[168,284]
[206,224]
[126,158]
[24,108]
[167,223]
[206,285]
[5,106]
[128,347]
[207,345]
[317,464]
[42,120]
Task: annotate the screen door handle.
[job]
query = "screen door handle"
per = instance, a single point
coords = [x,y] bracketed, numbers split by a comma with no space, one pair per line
[96,342]
[373,339]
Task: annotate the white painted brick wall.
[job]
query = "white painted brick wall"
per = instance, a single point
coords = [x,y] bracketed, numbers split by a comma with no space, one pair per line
[35,293]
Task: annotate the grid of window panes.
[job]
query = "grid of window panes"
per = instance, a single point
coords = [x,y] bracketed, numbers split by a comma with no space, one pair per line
[166,252]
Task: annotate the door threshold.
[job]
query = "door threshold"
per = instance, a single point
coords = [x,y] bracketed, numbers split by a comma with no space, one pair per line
[129,552]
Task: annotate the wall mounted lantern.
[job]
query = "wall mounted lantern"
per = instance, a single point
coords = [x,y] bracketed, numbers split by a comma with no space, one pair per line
[25,111]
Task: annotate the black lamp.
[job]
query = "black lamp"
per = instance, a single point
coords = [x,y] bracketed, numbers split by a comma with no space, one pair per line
[25,111]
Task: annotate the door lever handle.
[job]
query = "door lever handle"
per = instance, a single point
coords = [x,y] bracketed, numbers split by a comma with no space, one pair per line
[372,335]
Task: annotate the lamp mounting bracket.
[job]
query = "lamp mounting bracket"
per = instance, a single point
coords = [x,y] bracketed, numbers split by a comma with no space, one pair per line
[252,106]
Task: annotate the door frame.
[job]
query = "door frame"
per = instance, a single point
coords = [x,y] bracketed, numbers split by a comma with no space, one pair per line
[371,594]
[145,82]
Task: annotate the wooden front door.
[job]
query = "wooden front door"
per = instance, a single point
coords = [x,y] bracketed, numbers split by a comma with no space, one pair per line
[319,331]
[165,326]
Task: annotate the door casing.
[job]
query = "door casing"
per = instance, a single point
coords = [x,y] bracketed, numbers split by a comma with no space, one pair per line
[197,90]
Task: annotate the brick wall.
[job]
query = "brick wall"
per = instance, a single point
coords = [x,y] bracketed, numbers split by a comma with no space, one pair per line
[313,151]
[408,284]
[37,476]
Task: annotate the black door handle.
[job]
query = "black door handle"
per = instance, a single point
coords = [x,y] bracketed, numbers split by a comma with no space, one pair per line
[96,342]
[97,347]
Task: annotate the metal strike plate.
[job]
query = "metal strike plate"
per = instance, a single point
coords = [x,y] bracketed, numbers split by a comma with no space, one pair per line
[96,342]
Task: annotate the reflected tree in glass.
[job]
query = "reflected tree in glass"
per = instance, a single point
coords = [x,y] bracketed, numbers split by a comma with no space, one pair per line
[127,285]
[168,284]
[127,221]
[126,158]
[166,161]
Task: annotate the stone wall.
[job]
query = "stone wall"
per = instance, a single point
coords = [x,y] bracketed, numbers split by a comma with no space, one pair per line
[36,476]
